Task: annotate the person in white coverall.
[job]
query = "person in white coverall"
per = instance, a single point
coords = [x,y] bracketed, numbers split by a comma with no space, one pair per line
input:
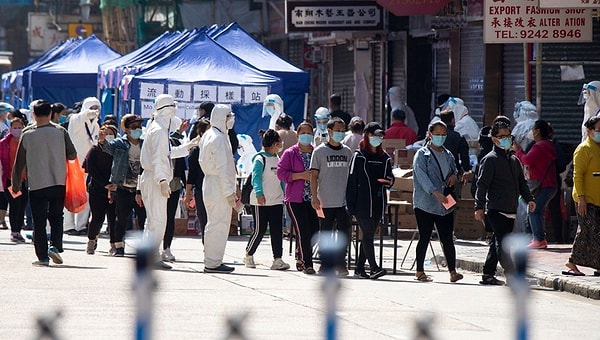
[525,115]
[272,106]
[590,95]
[465,124]
[219,187]
[397,101]
[83,130]
[322,117]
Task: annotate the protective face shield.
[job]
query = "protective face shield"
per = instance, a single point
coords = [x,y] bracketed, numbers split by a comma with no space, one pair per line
[457,106]
[524,110]
[585,93]
[272,106]
[5,108]
[322,117]
[270,109]
[230,122]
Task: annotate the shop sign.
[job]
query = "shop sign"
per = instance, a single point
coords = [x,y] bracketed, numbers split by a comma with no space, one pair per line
[570,3]
[413,7]
[519,21]
[306,16]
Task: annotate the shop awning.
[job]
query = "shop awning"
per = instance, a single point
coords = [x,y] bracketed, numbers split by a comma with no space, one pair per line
[400,8]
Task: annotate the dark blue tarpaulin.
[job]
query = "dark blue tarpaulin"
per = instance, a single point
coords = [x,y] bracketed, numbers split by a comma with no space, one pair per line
[71,76]
[295,81]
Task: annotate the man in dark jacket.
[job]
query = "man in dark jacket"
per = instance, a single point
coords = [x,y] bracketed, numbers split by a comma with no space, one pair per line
[499,184]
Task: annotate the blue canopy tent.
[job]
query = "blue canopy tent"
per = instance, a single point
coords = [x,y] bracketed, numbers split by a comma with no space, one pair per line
[72,76]
[295,81]
[203,70]
[112,73]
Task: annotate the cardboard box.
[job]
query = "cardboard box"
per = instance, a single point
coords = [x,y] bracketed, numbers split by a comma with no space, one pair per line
[390,145]
[406,221]
[465,225]
[403,184]
[181,226]
[246,225]
[403,157]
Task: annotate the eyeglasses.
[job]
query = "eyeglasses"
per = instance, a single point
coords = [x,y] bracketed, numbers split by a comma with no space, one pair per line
[504,136]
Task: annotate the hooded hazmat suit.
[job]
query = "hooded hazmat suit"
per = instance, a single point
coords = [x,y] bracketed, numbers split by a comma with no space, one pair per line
[591,97]
[156,161]
[397,101]
[273,106]
[219,187]
[322,116]
[464,124]
[525,115]
[83,130]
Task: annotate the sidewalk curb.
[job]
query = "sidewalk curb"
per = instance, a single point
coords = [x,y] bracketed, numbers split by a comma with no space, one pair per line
[546,279]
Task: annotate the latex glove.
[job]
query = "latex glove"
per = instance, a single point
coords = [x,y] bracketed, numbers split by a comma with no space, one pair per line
[231,199]
[165,189]
[192,143]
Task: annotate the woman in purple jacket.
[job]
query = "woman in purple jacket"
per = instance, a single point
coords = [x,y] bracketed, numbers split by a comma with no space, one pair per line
[294,170]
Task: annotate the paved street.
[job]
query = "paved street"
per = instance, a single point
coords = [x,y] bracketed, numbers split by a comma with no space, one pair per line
[94,294]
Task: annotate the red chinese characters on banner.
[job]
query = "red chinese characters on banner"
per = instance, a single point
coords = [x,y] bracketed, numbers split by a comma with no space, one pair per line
[413,7]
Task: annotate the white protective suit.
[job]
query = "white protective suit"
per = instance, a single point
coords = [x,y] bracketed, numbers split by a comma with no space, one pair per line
[83,130]
[322,116]
[465,125]
[397,101]
[219,187]
[591,96]
[156,161]
[525,115]
[246,151]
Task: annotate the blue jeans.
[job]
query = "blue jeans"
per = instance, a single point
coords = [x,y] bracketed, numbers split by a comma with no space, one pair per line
[536,218]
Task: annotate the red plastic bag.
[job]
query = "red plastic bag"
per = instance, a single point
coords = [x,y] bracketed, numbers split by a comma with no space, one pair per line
[75,191]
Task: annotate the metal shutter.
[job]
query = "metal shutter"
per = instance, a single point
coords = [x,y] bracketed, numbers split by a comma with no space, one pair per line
[441,50]
[513,81]
[472,70]
[378,90]
[343,77]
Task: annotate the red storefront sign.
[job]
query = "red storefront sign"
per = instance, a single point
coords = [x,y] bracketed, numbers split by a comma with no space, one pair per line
[413,7]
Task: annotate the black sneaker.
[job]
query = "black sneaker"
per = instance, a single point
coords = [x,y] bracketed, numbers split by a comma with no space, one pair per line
[119,252]
[375,274]
[162,265]
[54,255]
[490,280]
[361,275]
[222,269]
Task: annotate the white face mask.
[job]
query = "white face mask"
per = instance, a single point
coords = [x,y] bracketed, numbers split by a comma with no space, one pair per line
[230,122]
[530,135]
[91,114]
[170,112]
[109,138]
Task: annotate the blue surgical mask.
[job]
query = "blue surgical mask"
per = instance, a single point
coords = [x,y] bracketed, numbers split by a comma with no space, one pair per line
[136,134]
[505,143]
[338,136]
[596,137]
[322,127]
[62,119]
[375,141]
[438,140]
[270,109]
[305,139]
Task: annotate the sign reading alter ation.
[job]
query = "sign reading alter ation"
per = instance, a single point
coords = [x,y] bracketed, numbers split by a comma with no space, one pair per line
[519,21]
[304,16]
[569,3]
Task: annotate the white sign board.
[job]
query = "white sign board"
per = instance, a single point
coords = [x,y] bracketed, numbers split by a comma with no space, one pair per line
[147,108]
[42,33]
[229,94]
[205,93]
[149,91]
[189,108]
[255,94]
[569,3]
[180,93]
[519,21]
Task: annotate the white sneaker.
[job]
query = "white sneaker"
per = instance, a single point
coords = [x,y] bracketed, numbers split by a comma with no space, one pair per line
[167,256]
[278,264]
[249,261]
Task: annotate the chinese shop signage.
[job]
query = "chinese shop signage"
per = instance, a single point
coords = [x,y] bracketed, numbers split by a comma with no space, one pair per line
[305,16]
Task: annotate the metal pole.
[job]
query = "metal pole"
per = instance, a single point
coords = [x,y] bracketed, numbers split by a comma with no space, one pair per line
[526,71]
[538,79]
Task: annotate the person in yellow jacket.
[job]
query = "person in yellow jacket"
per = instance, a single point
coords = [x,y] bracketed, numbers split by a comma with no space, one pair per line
[586,194]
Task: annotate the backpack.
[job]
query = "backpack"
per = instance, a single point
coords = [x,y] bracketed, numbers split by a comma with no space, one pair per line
[247,187]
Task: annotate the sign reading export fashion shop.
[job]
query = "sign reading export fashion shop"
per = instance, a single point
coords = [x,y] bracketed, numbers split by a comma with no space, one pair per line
[519,21]
[306,16]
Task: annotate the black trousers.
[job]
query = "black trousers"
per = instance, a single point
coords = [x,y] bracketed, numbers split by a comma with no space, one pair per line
[367,248]
[47,204]
[99,208]
[16,214]
[172,204]
[501,226]
[200,210]
[306,224]
[337,219]
[273,216]
[125,203]
[445,227]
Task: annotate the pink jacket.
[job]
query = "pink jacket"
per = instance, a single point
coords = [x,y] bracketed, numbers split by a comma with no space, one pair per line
[291,162]
[5,159]
[540,162]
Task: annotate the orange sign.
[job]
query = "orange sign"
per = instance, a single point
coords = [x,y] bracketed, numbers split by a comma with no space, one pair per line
[413,7]
[80,30]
